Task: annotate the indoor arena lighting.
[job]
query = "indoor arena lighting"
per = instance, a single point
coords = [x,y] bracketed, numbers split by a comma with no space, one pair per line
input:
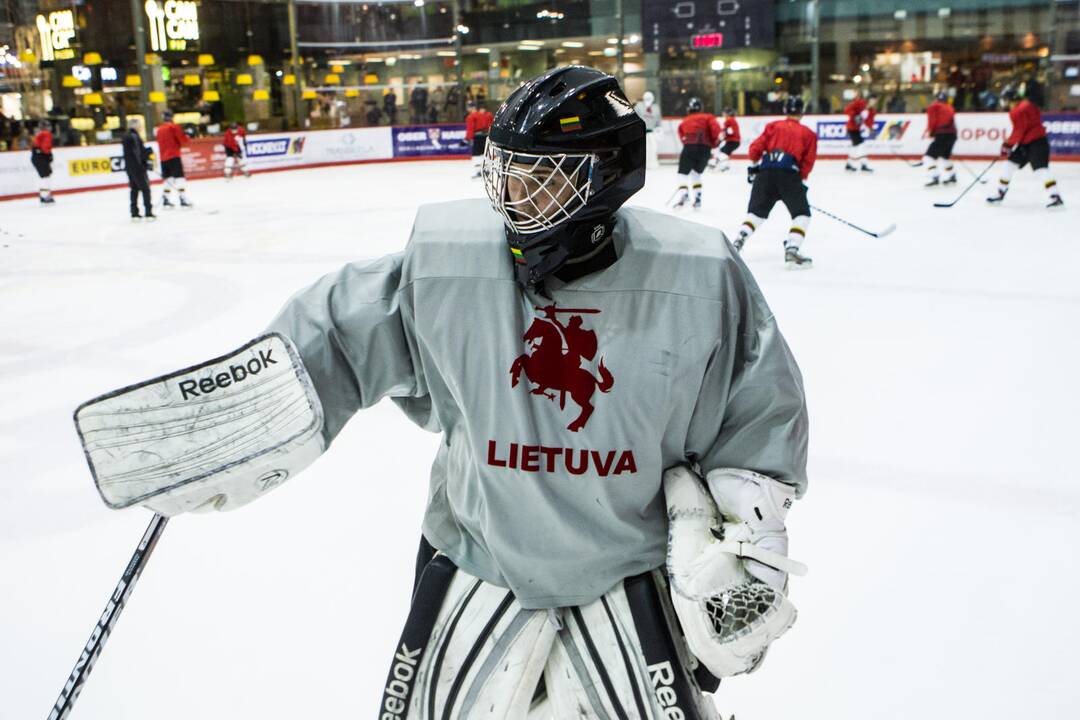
[573,44]
[528,48]
[537,43]
[483,51]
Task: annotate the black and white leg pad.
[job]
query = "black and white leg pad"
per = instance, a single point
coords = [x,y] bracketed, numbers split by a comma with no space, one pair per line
[214,436]
[469,650]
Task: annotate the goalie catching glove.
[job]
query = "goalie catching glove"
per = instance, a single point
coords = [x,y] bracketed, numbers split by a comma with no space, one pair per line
[211,437]
[728,567]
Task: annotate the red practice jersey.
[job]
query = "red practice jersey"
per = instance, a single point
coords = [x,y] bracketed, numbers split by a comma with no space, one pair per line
[868,118]
[791,137]
[940,119]
[731,130]
[170,138]
[700,129]
[233,137]
[854,112]
[1027,124]
[43,141]
[477,121]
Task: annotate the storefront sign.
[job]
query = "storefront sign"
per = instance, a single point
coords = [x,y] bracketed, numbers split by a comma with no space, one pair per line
[57,31]
[173,24]
[430,140]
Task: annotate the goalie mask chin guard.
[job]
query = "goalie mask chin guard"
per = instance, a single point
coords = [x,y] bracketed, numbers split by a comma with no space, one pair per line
[565,151]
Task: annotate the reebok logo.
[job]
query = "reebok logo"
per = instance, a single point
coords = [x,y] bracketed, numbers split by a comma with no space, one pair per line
[663,678]
[396,696]
[237,373]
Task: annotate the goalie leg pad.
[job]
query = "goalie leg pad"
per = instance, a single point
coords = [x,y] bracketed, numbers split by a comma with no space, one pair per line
[213,436]
[468,650]
[618,657]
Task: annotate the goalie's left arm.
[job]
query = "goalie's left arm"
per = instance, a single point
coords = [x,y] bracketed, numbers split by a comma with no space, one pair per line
[748,439]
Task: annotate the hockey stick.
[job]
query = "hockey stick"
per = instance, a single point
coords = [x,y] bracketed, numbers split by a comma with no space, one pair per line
[70,692]
[968,188]
[910,163]
[967,167]
[879,234]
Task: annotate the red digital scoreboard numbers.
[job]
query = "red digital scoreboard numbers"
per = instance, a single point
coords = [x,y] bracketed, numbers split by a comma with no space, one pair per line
[706,41]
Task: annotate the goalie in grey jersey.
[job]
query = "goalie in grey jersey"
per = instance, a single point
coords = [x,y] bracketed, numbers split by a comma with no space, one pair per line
[624,429]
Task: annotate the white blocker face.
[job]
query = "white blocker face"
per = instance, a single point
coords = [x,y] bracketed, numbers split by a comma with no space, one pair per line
[535,192]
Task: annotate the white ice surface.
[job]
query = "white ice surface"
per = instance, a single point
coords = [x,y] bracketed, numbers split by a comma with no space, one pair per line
[940,527]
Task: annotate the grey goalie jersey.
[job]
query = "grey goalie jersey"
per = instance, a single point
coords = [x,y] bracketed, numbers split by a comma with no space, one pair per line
[558,415]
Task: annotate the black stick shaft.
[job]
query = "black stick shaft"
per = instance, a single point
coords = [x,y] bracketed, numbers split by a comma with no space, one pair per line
[826,213]
[115,606]
[968,188]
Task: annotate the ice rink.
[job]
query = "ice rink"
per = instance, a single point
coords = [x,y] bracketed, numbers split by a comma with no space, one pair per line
[940,526]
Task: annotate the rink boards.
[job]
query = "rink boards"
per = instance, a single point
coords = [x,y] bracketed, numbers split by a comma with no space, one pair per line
[102,166]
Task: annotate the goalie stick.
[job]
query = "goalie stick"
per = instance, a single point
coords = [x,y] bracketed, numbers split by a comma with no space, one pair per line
[879,234]
[976,181]
[70,692]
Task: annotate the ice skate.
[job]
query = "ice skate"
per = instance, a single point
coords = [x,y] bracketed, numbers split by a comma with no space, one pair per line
[697,203]
[951,180]
[934,182]
[185,203]
[681,202]
[997,199]
[793,260]
[1056,203]
[850,168]
[166,203]
[866,168]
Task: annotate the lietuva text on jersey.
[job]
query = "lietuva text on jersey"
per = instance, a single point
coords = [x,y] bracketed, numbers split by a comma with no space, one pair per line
[558,415]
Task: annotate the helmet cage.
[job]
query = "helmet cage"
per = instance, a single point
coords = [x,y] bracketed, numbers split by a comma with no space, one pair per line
[551,187]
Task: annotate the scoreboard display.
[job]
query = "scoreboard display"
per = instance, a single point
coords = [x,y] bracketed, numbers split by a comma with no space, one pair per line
[707,24]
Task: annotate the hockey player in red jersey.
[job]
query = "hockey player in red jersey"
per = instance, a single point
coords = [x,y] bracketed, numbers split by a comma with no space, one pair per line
[477,124]
[700,133]
[860,114]
[732,139]
[41,158]
[941,125]
[1026,143]
[170,139]
[235,142]
[783,157]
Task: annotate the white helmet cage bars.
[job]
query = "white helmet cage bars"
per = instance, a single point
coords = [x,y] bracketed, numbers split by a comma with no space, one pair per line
[536,192]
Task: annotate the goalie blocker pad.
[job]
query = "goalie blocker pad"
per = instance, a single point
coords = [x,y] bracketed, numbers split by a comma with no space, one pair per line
[210,437]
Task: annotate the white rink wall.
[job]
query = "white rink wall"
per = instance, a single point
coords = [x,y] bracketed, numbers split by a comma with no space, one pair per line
[102,166]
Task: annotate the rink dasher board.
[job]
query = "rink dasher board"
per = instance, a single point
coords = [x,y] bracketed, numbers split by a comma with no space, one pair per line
[980,135]
[100,167]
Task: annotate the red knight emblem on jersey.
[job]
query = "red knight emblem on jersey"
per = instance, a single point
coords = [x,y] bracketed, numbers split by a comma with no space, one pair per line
[554,363]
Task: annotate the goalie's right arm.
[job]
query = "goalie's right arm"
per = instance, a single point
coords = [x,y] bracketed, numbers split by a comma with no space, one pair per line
[219,434]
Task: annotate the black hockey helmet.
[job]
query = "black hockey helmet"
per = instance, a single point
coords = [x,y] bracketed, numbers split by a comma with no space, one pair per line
[1010,93]
[794,105]
[695,105]
[167,115]
[942,96]
[564,152]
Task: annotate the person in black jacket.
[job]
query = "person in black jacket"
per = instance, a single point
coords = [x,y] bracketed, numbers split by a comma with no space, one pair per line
[136,164]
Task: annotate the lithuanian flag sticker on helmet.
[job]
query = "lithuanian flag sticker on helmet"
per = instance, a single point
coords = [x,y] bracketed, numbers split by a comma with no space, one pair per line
[568,124]
[518,255]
